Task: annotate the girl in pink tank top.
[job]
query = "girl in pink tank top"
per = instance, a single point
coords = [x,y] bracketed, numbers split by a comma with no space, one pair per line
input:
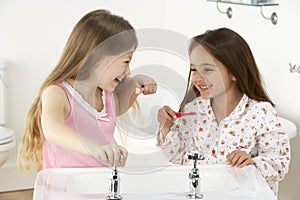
[72,120]
[100,128]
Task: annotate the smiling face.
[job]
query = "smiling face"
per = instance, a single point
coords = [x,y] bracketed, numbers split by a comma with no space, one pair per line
[210,76]
[115,69]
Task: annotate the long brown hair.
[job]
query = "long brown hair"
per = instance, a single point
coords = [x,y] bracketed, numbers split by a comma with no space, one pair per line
[234,53]
[93,29]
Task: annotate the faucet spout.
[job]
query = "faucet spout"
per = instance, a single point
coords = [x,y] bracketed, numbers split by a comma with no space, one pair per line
[194,177]
[114,186]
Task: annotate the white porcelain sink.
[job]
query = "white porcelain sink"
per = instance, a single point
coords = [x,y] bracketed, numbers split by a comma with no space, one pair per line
[217,182]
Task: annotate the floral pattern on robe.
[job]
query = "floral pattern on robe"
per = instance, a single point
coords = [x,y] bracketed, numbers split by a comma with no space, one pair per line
[252,127]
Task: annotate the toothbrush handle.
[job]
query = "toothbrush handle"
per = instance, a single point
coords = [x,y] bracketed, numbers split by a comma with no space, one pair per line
[181,114]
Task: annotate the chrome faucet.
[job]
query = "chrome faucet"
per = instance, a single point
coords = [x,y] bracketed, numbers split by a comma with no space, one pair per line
[114,186]
[194,176]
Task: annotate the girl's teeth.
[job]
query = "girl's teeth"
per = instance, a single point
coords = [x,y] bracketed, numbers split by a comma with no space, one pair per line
[204,87]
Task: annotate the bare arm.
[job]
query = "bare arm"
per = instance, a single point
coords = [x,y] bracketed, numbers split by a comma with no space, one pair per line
[55,109]
[125,93]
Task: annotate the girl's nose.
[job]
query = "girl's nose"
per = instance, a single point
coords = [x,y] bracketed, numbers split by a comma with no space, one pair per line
[198,77]
[127,71]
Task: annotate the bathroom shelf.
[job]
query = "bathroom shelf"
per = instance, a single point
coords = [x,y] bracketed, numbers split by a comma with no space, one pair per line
[229,12]
[294,68]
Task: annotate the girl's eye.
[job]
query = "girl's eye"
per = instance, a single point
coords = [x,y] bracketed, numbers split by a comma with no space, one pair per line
[127,62]
[193,70]
[208,70]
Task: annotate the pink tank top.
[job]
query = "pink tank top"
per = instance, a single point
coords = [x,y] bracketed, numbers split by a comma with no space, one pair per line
[88,121]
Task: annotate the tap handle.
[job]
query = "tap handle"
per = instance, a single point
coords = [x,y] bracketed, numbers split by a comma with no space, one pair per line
[195,155]
[114,186]
[114,171]
[194,175]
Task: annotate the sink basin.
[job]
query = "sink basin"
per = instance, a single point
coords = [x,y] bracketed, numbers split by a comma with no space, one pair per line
[216,179]
[171,182]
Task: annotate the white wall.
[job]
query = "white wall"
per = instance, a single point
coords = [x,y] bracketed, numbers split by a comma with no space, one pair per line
[33,33]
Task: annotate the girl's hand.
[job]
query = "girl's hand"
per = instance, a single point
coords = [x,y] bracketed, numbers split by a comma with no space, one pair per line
[129,88]
[166,117]
[112,155]
[146,84]
[239,158]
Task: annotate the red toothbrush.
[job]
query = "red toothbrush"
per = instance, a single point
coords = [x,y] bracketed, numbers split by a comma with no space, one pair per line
[181,114]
